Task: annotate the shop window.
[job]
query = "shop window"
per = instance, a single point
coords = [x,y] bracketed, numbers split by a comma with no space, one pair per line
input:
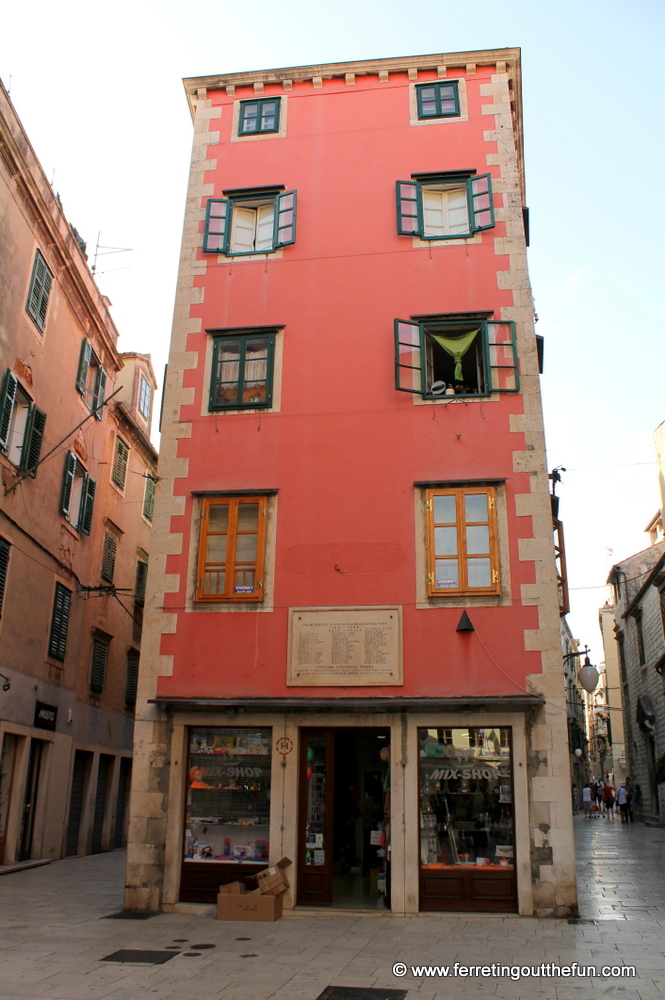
[451,357]
[78,494]
[99,662]
[242,371]
[438,100]
[466,819]
[232,549]
[149,498]
[259,117]
[462,541]
[145,397]
[91,379]
[40,289]
[62,603]
[4,565]
[108,556]
[120,463]
[445,206]
[21,426]
[132,679]
[258,221]
[228,797]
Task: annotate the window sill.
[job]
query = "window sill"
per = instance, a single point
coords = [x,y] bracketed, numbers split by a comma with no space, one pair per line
[222,258]
[464,601]
[447,241]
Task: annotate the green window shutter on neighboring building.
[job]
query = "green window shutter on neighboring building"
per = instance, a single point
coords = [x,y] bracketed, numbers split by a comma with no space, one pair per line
[32,442]
[409,208]
[60,622]
[4,563]
[87,504]
[68,483]
[119,474]
[100,653]
[149,499]
[7,398]
[108,559]
[216,228]
[132,679]
[40,289]
[84,366]
[100,389]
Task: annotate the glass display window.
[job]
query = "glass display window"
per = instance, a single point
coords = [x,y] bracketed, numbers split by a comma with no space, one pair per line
[466,799]
[228,795]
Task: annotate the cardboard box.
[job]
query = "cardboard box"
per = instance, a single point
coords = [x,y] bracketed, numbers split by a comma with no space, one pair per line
[273,881]
[237,904]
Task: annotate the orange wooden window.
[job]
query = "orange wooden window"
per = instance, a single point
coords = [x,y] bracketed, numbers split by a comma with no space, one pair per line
[232,549]
[462,546]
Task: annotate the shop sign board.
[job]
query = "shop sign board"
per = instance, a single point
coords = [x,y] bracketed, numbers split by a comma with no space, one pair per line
[343,647]
[45,716]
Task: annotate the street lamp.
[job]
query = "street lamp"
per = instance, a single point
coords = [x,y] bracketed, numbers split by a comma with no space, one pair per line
[587,674]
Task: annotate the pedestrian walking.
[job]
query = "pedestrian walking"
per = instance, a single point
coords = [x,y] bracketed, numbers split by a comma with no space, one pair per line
[609,800]
[599,797]
[637,802]
[575,796]
[586,800]
[630,792]
[622,802]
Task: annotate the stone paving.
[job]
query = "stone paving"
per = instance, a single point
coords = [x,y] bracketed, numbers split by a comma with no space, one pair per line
[53,938]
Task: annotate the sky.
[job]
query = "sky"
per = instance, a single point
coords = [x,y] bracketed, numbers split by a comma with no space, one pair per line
[99,91]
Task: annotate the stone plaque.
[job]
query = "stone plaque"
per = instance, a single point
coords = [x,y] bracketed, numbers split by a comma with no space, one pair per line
[340,647]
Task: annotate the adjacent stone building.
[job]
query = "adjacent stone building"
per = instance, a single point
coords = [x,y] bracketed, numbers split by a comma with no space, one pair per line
[352,647]
[78,474]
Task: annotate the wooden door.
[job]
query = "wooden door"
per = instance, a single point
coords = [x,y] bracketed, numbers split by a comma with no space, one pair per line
[315,818]
[7,763]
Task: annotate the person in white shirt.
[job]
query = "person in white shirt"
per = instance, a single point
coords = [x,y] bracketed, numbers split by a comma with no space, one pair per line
[586,800]
[622,802]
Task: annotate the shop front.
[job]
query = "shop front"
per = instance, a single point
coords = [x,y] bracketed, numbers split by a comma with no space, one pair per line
[404,812]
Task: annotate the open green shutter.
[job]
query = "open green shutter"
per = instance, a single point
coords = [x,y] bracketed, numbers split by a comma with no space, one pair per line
[100,652]
[481,202]
[149,499]
[68,483]
[32,442]
[87,504]
[502,357]
[108,560]
[43,304]
[4,563]
[132,680]
[7,399]
[100,389]
[60,622]
[285,218]
[217,225]
[409,208]
[84,366]
[409,357]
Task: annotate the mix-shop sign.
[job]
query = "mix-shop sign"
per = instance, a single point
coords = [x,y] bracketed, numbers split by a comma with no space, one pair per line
[466,773]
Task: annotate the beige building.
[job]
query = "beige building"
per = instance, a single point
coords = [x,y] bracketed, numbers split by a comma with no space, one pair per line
[608,708]
[78,477]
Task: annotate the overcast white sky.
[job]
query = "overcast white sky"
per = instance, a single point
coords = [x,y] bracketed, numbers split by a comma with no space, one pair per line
[98,88]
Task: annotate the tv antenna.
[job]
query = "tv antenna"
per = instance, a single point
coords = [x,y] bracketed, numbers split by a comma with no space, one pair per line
[102,251]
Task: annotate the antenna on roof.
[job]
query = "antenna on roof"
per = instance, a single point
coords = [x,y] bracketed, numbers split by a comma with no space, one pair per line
[101,251]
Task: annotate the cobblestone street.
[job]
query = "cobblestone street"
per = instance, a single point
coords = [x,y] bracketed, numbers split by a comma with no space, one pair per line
[54,937]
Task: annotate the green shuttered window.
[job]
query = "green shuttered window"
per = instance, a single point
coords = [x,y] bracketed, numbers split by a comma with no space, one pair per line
[149,498]
[448,206]
[132,680]
[438,99]
[40,289]
[455,357]
[78,494]
[259,117]
[91,379]
[108,558]
[120,463]
[62,603]
[4,565]
[21,425]
[100,656]
[260,223]
[242,371]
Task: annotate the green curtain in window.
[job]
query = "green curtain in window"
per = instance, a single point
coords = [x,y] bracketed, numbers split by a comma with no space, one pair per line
[457,347]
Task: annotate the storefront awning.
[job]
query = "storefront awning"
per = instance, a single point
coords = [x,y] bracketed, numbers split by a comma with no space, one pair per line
[496,703]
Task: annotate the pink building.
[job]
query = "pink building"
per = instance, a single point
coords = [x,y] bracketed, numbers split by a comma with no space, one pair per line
[352,644]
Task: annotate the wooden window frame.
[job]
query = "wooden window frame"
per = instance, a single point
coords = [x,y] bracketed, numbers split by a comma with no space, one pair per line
[438,87]
[219,225]
[460,492]
[259,102]
[145,397]
[229,597]
[410,203]
[39,292]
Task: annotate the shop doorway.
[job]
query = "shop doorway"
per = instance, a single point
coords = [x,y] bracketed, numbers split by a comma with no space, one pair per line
[344,856]
[7,765]
[30,800]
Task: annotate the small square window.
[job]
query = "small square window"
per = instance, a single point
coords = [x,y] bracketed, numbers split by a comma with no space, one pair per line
[255,222]
[40,289]
[260,116]
[449,356]
[462,543]
[242,371]
[232,549]
[438,100]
